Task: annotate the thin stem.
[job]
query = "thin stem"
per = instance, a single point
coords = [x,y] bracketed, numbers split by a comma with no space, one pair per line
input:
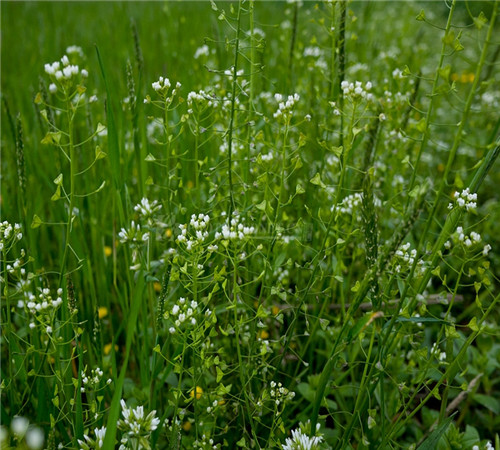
[232,205]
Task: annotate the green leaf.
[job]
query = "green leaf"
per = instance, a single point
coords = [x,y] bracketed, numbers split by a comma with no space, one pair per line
[488,401]
[299,189]
[56,196]
[150,157]
[220,373]
[431,442]
[261,206]
[480,20]
[113,143]
[114,410]
[473,324]
[59,179]
[451,332]
[444,72]
[421,320]
[358,326]
[52,138]
[421,16]
[338,151]
[436,271]
[99,154]
[36,222]
[317,181]
[306,391]
[100,128]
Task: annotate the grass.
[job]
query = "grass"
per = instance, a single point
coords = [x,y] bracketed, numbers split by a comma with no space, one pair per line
[250,225]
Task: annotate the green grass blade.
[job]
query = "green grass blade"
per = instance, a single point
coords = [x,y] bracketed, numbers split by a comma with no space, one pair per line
[114,411]
[431,442]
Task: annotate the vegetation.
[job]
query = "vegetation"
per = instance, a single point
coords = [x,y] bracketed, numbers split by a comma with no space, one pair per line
[250,225]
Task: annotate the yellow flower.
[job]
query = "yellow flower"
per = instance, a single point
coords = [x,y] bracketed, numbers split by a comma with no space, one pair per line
[107,348]
[108,251]
[157,286]
[103,312]
[263,334]
[199,392]
[168,232]
[275,310]
[186,426]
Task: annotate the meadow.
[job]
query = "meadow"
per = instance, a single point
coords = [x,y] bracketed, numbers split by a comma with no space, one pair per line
[256,225]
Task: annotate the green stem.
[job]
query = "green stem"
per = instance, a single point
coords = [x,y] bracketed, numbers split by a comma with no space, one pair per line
[433,95]
[232,205]
[450,373]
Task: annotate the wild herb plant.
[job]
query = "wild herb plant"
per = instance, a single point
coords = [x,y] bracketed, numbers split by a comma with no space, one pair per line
[251,225]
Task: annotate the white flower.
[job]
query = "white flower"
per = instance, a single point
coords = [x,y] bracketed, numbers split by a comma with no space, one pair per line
[202,51]
[19,426]
[301,441]
[35,438]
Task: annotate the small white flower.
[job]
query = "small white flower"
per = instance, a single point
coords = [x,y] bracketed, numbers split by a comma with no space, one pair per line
[35,438]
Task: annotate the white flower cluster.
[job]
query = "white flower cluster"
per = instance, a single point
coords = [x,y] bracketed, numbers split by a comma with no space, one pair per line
[396,99]
[441,356]
[17,265]
[302,441]
[397,74]
[202,51]
[162,87]
[155,130]
[9,234]
[198,99]
[260,33]
[227,102]
[349,204]
[98,442]
[42,304]
[147,209]
[27,436]
[63,71]
[488,446]
[237,148]
[356,90]
[474,237]
[134,234]
[92,381]
[280,393]
[407,258]
[236,229]
[285,108]
[137,426]
[468,240]
[229,73]
[200,225]
[316,54]
[74,50]
[182,313]
[204,443]
[465,199]
[161,84]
